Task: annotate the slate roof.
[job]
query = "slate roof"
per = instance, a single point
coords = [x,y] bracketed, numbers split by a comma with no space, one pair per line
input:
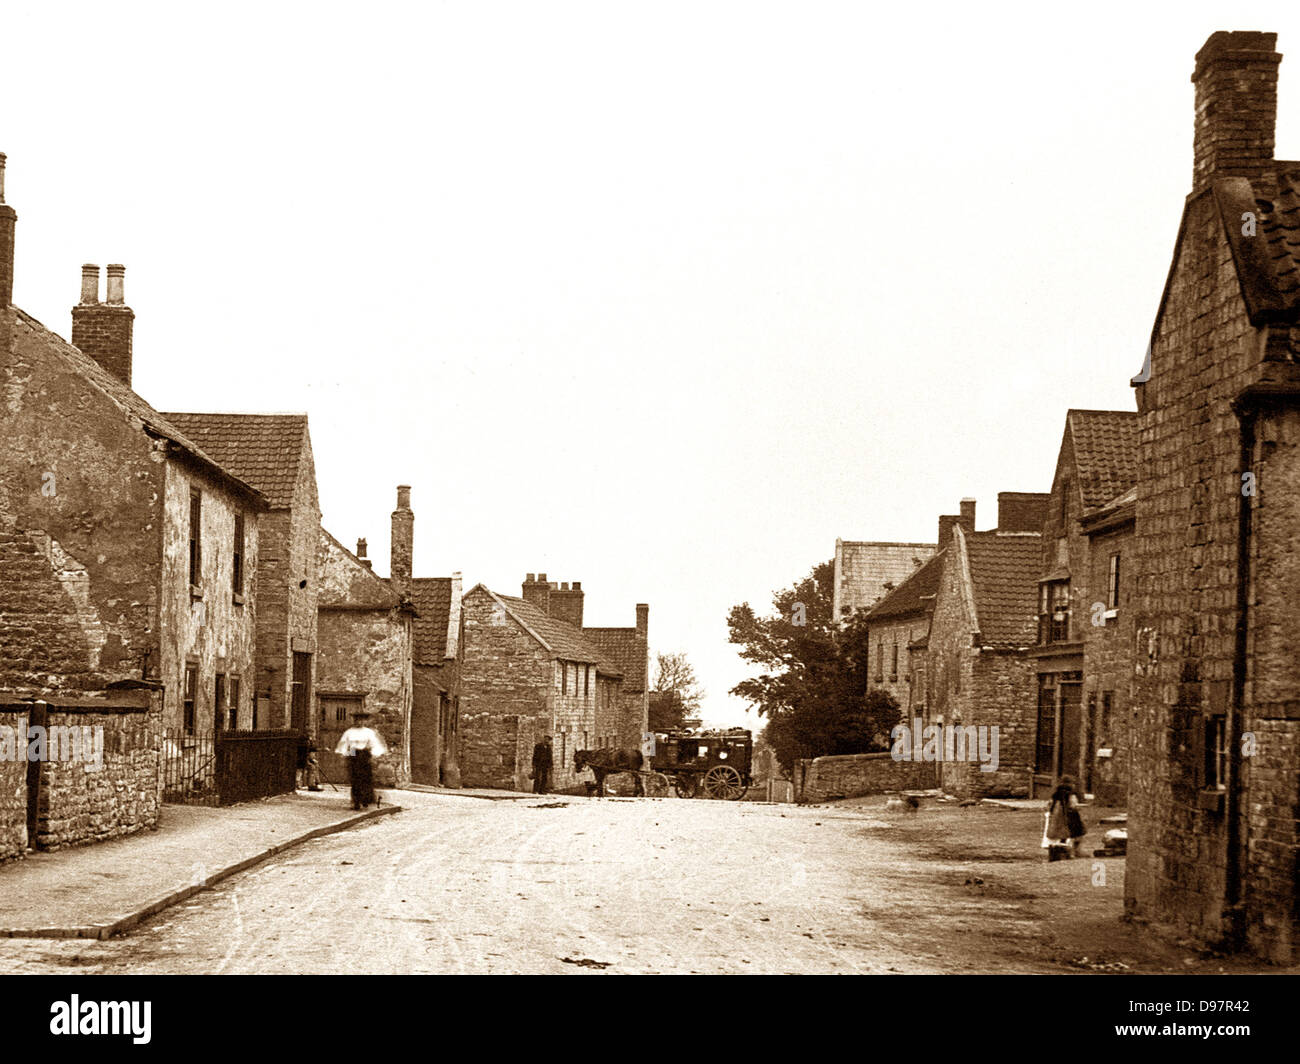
[1106,453]
[263,449]
[431,597]
[1269,269]
[913,595]
[564,640]
[625,651]
[1004,572]
[129,402]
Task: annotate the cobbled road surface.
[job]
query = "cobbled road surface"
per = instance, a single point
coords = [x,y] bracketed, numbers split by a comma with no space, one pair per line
[551,885]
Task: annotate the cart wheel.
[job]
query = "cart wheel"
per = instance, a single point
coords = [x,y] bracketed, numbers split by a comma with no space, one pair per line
[685,785]
[724,782]
[657,785]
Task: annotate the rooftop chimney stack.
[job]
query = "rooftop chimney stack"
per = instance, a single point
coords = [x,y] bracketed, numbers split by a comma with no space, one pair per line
[566,603]
[8,216]
[103,330]
[1236,106]
[946,524]
[403,543]
[643,620]
[967,519]
[361,554]
[537,592]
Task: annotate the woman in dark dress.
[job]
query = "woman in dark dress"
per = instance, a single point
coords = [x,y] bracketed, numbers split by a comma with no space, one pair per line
[360,744]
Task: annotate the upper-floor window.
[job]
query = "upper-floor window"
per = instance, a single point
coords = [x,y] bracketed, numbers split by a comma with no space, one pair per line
[237,571]
[196,536]
[893,671]
[1054,612]
[880,660]
[1112,584]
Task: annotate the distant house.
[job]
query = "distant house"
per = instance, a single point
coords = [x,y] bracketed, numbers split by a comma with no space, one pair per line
[526,673]
[364,633]
[273,453]
[128,560]
[438,651]
[866,571]
[1083,671]
[978,670]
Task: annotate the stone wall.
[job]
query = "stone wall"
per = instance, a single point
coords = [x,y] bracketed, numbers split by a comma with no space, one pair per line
[13,785]
[886,634]
[1108,669]
[497,750]
[79,802]
[824,779]
[1002,694]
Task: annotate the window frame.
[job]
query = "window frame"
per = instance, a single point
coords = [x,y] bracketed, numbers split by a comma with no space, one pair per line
[196,537]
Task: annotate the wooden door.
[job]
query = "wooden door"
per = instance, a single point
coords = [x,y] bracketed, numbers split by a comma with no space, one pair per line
[335,719]
[1072,731]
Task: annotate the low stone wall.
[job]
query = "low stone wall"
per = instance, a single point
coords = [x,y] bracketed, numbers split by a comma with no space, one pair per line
[497,750]
[13,783]
[824,779]
[81,801]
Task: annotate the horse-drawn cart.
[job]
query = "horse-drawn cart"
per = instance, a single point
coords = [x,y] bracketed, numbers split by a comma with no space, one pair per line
[714,764]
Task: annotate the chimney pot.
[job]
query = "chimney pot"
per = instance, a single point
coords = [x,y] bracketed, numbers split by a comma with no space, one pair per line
[361,548]
[403,496]
[531,578]
[577,585]
[541,578]
[968,514]
[116,278]
[89,284]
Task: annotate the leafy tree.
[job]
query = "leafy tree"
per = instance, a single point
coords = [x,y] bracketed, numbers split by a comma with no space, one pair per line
[813,687]
[675,693]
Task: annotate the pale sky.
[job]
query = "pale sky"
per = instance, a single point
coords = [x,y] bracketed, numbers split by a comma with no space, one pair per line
[662,297]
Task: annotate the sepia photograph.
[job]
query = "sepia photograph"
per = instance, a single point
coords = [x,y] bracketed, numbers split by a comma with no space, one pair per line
[570,488]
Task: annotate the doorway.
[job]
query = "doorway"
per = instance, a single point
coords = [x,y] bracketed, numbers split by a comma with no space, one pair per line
[335,718]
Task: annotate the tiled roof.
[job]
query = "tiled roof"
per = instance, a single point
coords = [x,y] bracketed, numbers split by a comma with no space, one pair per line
[431,597]
[913,594]
[1106,454]
[263,449]
[1268,269]
[130,403]
[1004,572]
[564,640]
[627,653]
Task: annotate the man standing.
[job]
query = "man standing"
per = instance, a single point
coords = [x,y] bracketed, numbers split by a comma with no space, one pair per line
[542,761]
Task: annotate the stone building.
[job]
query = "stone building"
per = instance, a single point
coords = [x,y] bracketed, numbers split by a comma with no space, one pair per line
[899,626]
[866,571]
[528,671]
[364,661]
[978,670]
[1215,765]
[273,453]
[435,711]
[1081,649]
[128,561]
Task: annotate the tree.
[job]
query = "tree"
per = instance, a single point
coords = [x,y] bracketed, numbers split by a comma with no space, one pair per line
[813,687]
[675,693]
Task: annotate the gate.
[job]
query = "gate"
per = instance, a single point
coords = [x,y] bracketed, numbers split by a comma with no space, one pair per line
[229,767]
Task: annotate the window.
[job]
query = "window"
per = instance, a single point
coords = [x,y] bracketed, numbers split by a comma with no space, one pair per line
[880,660]
[188,696]
[196,536]
[234,703]
[893,672]
[1112,584]
[586,685]
[1216,754]
[1054,612]
[237,577]
[219,703]
[1064,513]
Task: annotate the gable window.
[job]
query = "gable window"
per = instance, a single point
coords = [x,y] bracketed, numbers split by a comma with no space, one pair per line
[196,536]
[1112,584]
[188,696]
[237,570]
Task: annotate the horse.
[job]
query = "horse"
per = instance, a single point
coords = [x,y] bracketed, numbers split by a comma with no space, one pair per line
[603,762]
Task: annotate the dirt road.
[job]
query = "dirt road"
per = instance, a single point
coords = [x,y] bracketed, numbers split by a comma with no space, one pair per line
[454,884]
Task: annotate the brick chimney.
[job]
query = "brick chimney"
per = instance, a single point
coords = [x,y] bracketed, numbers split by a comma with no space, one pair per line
[1022,511]
[643,620]
[967,518]
[402,543]
[103,330]
[1236,106]
[8,217]
[946,525]
[566,603]
[361,554]
[537,592]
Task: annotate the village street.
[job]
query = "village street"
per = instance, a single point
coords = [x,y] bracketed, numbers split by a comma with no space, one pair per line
[564,884]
